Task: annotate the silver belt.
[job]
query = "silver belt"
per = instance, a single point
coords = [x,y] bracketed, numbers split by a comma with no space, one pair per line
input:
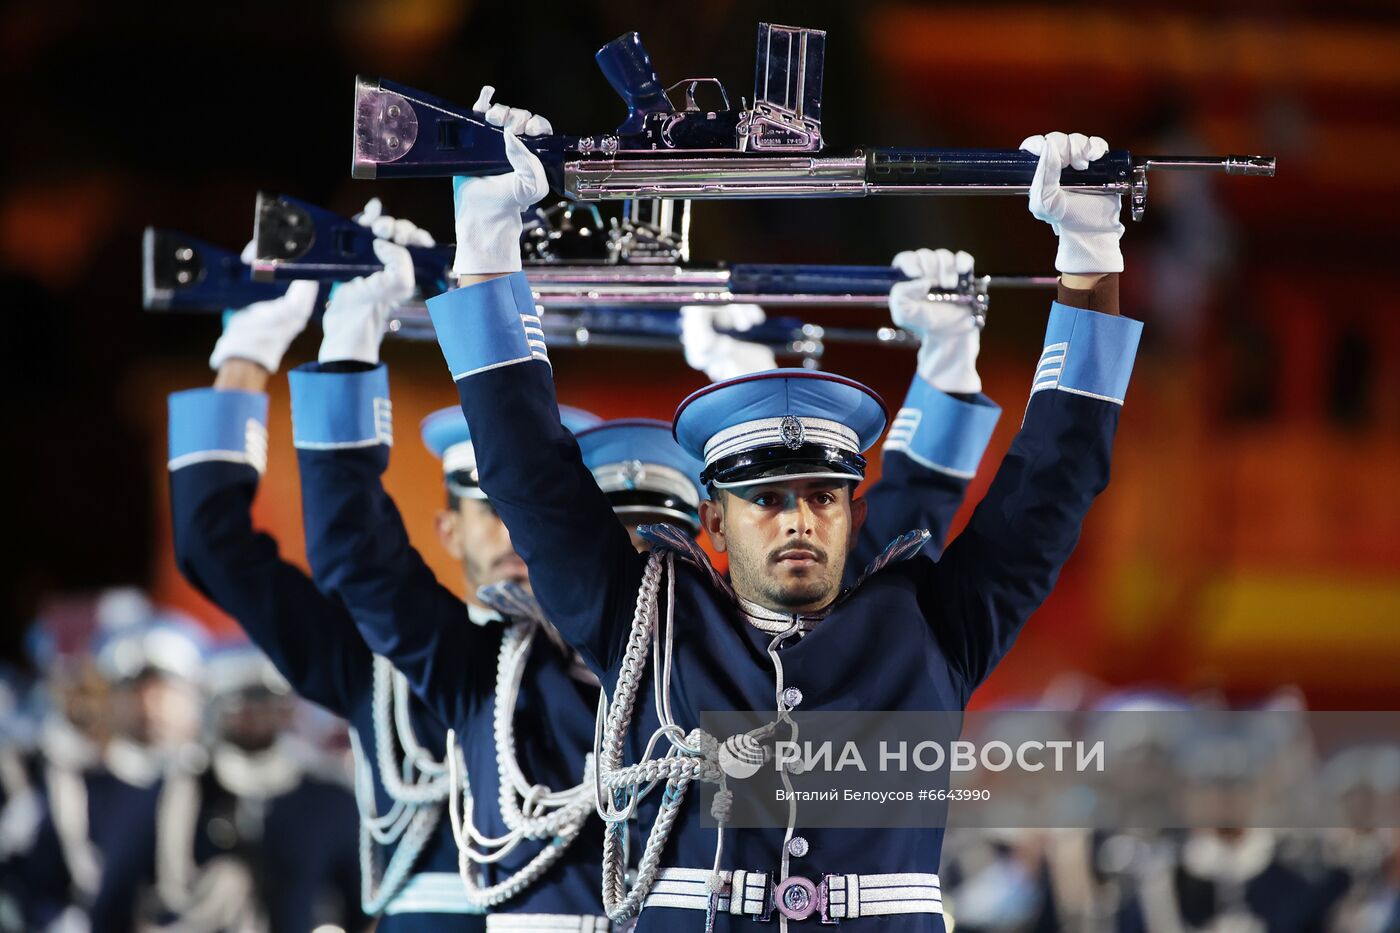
[547,923]
[431,892]
[834,898]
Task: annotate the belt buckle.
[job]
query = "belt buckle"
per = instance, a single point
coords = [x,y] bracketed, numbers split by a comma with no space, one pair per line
[796,897]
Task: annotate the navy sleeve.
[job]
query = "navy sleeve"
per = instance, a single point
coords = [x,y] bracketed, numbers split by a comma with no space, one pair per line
[360,551]
[930,455]
[583,568]
[218,445]
[995,574]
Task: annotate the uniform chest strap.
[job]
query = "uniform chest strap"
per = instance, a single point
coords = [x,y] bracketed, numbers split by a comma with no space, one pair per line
[835,897]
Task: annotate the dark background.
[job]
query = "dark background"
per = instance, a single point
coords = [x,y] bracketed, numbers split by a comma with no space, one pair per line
[1251,537]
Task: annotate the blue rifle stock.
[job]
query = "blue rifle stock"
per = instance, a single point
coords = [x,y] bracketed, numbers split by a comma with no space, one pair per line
[297,240]
[182,273]
[773,149]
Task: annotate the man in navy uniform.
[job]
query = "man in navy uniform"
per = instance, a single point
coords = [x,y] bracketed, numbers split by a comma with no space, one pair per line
[246,833]
[217,455]
[782,454]
[359,548]
[92,807]
[519,702]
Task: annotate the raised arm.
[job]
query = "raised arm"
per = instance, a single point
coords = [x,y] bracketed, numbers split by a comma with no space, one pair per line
[995,574]
[941,431]
[355,538]
[218,450]
[583,568]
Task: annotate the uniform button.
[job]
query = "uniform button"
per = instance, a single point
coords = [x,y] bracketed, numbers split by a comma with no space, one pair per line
[797,847]
[792,697]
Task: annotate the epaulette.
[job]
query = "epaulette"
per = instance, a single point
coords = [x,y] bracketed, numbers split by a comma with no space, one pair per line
[684,547]
[901,548]
[511,600]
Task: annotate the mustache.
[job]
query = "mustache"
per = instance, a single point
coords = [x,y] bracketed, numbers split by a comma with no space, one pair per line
[815,552]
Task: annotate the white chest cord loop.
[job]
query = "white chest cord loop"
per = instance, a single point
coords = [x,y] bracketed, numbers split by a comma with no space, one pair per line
[529,811]
[691,756]
[416,783]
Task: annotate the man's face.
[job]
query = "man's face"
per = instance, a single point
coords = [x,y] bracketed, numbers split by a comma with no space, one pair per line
[475,535]
[156,710]
[787,541]
[254,718]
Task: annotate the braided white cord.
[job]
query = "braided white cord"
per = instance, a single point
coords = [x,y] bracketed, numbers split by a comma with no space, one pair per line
[534,809]
[529,811]
[464,829]
[693,757]
[421,758]
[398,776]
[468,860]
[385,828]
[412,829]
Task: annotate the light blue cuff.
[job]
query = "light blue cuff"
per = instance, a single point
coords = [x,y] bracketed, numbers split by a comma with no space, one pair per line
[1087,353]
[488,325]
[215,424]
[339,411]
[943,433]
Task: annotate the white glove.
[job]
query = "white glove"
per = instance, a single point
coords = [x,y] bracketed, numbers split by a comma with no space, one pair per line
[262,331]
[402,232]
[720,356]
[948,333]
[1086,223]
[353,325]
[488,208]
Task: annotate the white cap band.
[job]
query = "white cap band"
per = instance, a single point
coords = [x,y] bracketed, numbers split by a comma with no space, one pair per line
[459,457]
[628,475]
[790,431]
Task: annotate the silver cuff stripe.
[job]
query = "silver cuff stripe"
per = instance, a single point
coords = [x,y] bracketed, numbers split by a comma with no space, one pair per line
[210,456]
[458,377]
[1052,363]
[384,420]
[255,442]
[766,432]
[902,430]
[546,923]
[341,445]
[534,336]
[631,475]
[928,464]
[906,425]
[1048,371]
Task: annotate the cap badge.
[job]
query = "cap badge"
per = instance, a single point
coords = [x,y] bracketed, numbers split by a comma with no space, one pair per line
[633,473]
[792,433]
